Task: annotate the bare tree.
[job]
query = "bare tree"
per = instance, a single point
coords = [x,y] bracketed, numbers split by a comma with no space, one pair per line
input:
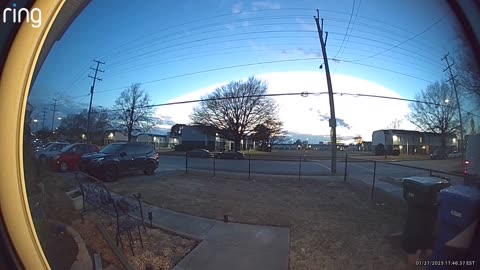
[395,124]
[134,110]
[236,109]
[468,73]
[74,125]
[437,111]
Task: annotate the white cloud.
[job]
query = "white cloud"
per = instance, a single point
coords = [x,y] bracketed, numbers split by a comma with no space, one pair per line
[308,26]
[303,114]
[180,113]
[258,5]
[237,7]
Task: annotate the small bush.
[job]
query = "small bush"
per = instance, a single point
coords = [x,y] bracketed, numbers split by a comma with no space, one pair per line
[183,147]
[380,150]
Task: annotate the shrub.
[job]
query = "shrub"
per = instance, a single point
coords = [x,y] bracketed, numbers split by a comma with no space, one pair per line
[380,150]
[183,147]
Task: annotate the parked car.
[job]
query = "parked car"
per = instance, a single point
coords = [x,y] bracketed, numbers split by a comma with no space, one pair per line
[438,154]
[230,155]
[69,157]
[44,153]
[117,158]
[472,159]
[454,154]
[202,153]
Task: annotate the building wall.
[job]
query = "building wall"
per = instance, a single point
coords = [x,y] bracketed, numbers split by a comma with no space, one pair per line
[195,134]
[411,142]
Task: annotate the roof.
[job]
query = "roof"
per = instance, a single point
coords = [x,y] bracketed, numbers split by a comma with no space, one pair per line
[405,131]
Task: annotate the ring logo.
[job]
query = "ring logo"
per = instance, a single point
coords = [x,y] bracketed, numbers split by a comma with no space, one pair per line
[17,16]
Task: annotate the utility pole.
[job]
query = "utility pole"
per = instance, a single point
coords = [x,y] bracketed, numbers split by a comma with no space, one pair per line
[54,110]
[92,88]
[332,121]
[44,117]
[452,78]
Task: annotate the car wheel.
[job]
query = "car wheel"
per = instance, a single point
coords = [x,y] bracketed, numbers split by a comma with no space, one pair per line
[150,169]
[110,173]
[63,166]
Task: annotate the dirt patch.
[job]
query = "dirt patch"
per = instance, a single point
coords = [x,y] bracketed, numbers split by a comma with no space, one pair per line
[161,250]
[333,226]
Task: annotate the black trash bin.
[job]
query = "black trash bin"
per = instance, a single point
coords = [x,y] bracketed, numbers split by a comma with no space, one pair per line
[421,194]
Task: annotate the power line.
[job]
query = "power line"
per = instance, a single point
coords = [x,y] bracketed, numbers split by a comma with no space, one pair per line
[203,19]
[346,32]
[216,69]
[405,41]
[153,42]
[210,38]
[348,38]
[217,53]
[385,69]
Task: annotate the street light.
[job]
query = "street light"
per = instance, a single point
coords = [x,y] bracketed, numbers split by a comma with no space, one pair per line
[59,118]
[447,100]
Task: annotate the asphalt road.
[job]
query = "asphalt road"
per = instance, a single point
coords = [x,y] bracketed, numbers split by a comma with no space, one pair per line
[389,172]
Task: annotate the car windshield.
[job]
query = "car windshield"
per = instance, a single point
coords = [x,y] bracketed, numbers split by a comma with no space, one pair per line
[56,147]
[67,148]
[112,148]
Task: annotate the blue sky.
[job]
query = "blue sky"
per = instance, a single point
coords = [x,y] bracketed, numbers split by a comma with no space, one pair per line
[145,41]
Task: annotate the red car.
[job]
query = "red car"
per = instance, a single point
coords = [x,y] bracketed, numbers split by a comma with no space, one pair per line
[69,157]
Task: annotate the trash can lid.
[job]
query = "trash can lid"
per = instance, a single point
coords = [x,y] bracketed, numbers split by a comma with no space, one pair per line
[425,180]
[462,192]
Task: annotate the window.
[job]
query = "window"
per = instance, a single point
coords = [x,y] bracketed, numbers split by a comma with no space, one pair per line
[421,139]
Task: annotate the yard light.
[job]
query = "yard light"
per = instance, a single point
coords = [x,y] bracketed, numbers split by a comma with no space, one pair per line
[447,100]
[35,120]
[59,118]
[454,140]
[424,147]
[395,138]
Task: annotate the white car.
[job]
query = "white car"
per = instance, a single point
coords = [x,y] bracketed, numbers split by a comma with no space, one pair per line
[44,153]
[454,154]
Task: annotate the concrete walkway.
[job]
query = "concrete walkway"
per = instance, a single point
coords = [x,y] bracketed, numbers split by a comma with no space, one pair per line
[223,246]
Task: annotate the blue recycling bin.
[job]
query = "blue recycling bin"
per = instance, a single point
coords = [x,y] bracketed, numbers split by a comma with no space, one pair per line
[458,217]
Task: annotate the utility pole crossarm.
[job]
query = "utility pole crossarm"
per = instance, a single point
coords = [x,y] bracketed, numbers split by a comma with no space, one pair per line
[92,88]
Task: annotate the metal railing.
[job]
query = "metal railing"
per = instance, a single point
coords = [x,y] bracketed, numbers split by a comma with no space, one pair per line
[393,172]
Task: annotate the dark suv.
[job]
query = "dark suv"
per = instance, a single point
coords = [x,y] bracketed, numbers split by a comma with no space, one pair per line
[117,158]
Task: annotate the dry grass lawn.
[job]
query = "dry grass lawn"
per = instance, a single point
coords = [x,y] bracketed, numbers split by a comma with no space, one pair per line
[332,225]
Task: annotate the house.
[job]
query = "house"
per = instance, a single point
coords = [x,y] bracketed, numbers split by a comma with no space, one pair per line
[114,135]
[411,142]
[206,137]
[157,140]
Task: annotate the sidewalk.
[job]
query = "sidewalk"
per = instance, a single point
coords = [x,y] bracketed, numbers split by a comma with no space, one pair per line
[225,245]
